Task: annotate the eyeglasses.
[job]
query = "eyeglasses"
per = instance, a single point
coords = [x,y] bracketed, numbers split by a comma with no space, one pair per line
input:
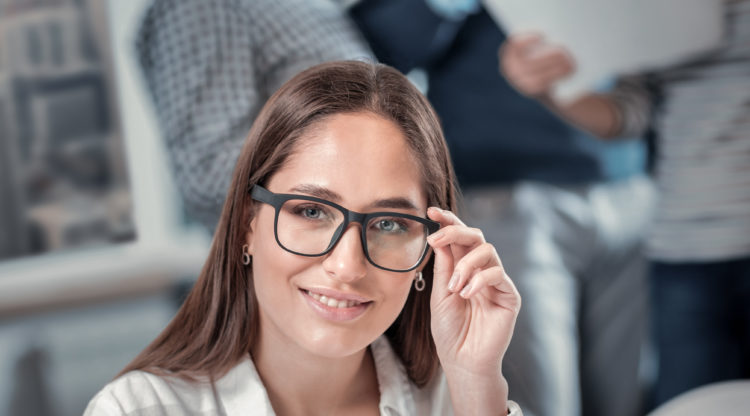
[311,226]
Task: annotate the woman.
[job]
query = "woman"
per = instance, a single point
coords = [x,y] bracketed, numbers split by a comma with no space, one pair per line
[326,290]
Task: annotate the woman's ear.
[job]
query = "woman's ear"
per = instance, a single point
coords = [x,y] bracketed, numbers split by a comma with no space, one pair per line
[250,236]
[251,218]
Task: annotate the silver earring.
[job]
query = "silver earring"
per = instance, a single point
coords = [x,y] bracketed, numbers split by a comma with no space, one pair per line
[419,282]
[246,259]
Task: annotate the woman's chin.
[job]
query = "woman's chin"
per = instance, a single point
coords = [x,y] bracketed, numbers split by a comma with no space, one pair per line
[335,346]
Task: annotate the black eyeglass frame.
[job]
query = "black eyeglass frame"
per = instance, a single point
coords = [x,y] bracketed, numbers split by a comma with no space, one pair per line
[262,194]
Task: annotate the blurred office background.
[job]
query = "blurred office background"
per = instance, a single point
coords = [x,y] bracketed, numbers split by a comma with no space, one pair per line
[94,252]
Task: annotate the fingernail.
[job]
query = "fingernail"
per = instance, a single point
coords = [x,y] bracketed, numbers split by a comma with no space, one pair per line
[465,292]
[453,282]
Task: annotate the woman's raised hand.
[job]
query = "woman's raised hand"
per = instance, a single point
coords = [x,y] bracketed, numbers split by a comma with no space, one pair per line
[474,303]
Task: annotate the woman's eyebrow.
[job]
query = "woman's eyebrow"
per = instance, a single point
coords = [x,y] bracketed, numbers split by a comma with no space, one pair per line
[398,202]
[317,191]
[329,195]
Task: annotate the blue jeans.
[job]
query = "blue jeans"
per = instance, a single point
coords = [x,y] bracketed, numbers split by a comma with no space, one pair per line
[701,314]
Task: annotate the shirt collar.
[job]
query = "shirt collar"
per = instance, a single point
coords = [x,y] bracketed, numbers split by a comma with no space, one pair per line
[396,394]
[241,390]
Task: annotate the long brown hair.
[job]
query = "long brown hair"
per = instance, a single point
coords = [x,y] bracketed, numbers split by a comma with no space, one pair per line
[218,322]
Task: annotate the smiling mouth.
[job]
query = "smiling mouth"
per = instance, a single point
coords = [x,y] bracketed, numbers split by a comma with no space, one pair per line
[333,302]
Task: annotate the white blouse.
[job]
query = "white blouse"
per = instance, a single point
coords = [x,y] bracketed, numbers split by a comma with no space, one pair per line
[241,392]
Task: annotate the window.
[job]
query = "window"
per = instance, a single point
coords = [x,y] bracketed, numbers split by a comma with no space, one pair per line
[65,184]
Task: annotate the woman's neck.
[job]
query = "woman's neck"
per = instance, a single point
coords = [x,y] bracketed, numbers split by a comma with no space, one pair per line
[299,382]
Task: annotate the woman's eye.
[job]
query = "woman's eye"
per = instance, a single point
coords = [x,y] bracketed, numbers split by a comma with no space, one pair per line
[387,225]
[312,212]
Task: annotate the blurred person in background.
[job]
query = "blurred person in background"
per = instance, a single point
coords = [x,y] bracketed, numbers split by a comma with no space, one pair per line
[210,66]
[298,309]
[699,244]
[567,213]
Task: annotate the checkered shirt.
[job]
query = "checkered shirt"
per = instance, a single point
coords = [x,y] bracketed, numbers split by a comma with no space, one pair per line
[211,65]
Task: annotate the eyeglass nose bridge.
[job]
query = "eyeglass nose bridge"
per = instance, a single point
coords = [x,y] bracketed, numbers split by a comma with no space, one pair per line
[350,217]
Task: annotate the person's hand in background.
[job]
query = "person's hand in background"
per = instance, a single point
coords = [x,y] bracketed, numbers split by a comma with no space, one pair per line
[533,66]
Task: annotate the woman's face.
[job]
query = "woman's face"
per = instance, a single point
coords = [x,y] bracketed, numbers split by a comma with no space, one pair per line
[336,304]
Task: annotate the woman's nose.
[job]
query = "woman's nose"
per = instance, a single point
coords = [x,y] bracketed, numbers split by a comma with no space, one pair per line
[346,261]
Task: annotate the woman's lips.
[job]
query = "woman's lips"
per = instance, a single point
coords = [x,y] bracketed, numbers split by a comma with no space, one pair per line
[335,306]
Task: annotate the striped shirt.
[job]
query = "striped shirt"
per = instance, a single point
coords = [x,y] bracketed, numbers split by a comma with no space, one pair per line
[703,159]
[211,65]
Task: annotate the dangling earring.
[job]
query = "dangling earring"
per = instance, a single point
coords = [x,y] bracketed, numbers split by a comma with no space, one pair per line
[419,282]
[246,259]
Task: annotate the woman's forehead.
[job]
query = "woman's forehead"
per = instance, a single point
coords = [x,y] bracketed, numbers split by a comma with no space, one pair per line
[353,152]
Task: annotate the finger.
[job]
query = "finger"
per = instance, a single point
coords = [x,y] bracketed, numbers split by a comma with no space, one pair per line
[442,270]
[460,238]
[552,59]
[482,257]
[501,287]
[535,77]
[444,217]
[551,76]
[523,43]
[456,234]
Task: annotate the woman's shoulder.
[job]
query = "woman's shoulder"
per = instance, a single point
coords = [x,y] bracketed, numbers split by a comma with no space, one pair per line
[141,392]
[144,393]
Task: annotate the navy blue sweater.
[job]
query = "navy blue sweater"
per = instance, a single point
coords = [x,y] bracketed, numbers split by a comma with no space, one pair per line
[496,135]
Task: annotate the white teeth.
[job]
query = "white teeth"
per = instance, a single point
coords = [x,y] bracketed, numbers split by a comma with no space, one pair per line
[331,302]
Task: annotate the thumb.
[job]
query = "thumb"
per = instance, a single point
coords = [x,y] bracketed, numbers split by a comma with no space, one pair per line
[442,271]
